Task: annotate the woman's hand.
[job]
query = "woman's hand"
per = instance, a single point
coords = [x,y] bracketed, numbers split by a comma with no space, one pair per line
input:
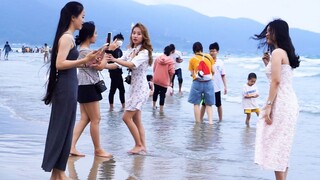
[266,58]
[267,115]
[113,46]
[93,59]
[110,58]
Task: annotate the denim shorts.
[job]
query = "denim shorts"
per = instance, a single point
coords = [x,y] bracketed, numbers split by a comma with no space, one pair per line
[202,89]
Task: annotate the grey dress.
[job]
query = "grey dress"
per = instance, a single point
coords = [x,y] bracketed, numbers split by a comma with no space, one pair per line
[62,119]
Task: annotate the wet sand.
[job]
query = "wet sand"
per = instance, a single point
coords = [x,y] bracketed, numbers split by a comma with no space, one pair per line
[222,151]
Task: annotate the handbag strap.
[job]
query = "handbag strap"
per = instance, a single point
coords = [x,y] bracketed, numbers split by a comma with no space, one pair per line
[129,71]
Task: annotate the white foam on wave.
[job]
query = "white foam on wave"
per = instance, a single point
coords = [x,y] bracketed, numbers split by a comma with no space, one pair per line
[306,74]
[310,61]
[250,66]
[310,108]
[13,113]
[232,99]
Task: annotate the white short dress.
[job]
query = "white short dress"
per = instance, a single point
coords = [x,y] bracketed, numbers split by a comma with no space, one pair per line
[139,89]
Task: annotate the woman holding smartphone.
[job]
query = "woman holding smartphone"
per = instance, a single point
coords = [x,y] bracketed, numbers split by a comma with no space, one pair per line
[137,58]
[88,96]
[62,90]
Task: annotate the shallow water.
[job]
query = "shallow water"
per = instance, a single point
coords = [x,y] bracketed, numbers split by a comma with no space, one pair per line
[178,148]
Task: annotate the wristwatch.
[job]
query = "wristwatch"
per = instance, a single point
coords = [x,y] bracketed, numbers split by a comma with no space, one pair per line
[269,103]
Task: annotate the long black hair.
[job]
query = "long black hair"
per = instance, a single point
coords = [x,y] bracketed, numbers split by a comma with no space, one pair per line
[279,29]
[71,9]
[87,31]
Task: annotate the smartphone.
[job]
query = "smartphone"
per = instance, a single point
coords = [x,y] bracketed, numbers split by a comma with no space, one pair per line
[109,36]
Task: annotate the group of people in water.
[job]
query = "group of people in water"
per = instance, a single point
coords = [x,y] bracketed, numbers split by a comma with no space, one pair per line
[66,87]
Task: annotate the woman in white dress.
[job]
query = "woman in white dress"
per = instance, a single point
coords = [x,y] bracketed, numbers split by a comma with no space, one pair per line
[137,58]
[277,121]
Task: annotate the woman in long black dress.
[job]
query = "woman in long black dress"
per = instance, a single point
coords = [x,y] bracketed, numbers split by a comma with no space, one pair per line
[62,90]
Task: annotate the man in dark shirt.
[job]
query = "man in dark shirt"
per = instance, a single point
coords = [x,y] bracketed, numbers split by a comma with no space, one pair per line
[6,50]
[116,76]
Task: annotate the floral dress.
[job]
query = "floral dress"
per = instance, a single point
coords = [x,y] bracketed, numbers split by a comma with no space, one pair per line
[139,90]
[273,142]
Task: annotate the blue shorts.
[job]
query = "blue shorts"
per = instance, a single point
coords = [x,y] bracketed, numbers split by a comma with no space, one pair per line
[202,89]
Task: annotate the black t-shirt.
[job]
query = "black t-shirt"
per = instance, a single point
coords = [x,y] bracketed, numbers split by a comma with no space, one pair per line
[117,53]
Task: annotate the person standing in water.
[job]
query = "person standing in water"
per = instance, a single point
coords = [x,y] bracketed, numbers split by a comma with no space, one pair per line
[116,76]
[249,94]
[137,58]
[46,51]
[62,90]
[6,49]
[276,126]
[88,96]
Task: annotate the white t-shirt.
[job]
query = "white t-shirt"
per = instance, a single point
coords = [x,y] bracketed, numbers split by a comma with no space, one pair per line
[249,103]
[46,49]
[218,72]
[174,56]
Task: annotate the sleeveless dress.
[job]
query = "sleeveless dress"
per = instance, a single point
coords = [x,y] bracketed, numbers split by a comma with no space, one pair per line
[62,119]
[273,142]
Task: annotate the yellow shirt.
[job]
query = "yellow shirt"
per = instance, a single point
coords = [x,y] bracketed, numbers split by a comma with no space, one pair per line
[195,60]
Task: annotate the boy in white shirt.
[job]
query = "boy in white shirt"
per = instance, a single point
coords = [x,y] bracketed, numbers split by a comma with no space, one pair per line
[249,94]
[219,80]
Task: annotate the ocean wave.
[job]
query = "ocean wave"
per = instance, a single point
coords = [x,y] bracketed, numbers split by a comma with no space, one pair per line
[310,61]
[232,99]
[310,108]
[306,74]
[11,110]
[249,66]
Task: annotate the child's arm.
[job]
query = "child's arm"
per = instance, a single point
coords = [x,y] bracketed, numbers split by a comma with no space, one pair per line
[244,92]
[257,93]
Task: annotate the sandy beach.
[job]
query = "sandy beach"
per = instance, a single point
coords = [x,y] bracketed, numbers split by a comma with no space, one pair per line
[178,148]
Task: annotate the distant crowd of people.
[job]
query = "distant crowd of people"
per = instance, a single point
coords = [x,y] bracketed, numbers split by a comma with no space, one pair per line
[26,49]
[66,88]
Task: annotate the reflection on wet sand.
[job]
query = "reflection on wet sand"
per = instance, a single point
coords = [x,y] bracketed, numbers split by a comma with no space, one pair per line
[204,141]
[107,169]
[71,167]
[136,170]
[103,165]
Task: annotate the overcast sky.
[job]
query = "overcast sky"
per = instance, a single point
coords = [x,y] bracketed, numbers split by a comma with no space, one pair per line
[303,14]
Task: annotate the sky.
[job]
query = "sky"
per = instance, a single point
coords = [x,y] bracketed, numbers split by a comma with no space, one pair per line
[301,14]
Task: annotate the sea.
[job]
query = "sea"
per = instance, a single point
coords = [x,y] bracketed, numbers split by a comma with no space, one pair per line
[178,148]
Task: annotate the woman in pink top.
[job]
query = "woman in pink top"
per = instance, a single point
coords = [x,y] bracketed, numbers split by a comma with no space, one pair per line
[163,71]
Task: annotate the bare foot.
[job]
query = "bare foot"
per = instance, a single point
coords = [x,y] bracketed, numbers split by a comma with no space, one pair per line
[111,107]
[102,153]
[74,152]
[137,150]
